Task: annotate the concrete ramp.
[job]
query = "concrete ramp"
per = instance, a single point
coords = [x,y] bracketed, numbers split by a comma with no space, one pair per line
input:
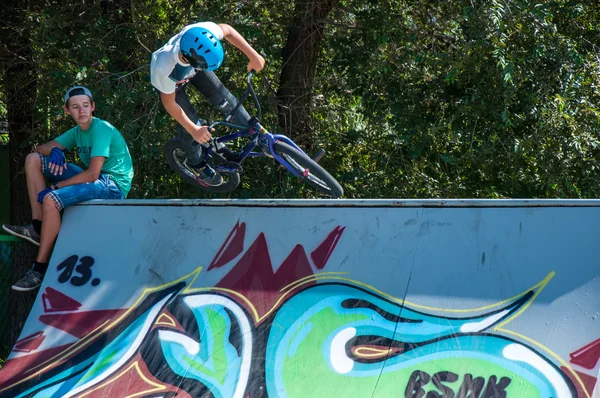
[266,298]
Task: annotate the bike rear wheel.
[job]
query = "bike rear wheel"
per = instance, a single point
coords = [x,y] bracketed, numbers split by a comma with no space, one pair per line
[311,172]
[177,160]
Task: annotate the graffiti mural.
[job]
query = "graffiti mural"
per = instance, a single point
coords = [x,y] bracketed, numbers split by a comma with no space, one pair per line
[292,332]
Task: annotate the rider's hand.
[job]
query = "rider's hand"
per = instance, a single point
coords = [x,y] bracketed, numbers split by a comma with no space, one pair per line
[201,134]
[256,63]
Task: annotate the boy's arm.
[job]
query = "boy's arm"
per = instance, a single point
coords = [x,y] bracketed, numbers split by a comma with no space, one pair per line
[200,133]
[91,174]
[46,148]
[101,149]
[256,61]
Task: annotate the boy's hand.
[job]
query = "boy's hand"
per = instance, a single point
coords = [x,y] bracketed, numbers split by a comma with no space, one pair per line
[56,161]
[231,35]
[43,193]
[256,63]
[201,134]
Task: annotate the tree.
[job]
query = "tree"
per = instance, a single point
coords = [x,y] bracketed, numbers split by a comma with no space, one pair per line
[300,56]
[19,83]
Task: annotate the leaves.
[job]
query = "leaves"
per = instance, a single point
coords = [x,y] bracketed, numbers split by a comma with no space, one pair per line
[412,98]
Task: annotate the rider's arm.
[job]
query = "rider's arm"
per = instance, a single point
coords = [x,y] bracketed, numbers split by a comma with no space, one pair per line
[200,133]
[231,35]
[45,149]
[168,101]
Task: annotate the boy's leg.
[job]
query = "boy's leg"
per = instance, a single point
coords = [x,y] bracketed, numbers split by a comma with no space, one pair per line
[53,203]
[37,170]
[33,277]
[35,182]
[193,149]
[50,229]
[219,96]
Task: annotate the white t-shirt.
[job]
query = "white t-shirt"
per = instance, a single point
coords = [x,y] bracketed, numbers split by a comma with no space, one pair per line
[166,70]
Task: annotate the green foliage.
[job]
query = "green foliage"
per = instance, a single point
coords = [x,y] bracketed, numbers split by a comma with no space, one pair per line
[465,99]
[413,98]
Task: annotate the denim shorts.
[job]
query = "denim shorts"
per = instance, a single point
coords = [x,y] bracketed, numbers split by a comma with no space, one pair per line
[103,188]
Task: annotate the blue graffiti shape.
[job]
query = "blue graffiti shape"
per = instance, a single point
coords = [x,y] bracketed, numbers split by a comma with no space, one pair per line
[211,355]
[105,355]
[352,334]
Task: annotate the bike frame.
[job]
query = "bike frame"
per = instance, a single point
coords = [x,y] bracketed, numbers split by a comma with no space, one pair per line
[260,136]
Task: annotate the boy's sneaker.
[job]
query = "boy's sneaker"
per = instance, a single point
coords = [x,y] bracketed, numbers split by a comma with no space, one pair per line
[206,175]
[27,232]
[30,281]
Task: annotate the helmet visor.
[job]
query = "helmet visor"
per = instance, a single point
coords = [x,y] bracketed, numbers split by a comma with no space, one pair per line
[195,60]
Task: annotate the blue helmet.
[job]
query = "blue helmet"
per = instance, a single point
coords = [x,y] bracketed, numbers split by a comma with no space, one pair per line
[201,49]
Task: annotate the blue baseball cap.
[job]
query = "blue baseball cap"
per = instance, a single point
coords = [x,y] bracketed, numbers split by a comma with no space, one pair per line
[77,90]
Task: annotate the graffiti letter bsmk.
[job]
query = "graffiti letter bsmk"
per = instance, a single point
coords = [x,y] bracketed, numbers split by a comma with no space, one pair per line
[469,387]
[417,380]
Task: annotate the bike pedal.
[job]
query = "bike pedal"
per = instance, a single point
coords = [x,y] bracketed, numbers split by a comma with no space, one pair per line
[319,155]
[229,166]
[189,168]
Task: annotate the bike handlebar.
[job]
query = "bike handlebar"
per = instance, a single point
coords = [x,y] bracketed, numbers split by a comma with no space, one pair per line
[227,124]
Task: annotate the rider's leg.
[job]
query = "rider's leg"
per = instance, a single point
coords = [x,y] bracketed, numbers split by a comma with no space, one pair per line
[217,94]
[192,148]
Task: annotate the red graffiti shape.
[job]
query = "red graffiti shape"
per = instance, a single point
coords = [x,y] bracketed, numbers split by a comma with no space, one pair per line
[231,248]
[134,379]
[253,274]
[29,343]
[17,369]
[587,356]
[80,324]
[321,254]
[55,301]
[588,382]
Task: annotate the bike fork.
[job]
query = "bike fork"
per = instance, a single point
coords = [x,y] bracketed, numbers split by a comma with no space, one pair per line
[319,155]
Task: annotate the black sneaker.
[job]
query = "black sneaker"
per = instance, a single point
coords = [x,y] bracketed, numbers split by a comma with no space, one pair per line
[30,281]
[207,176]
[27,232]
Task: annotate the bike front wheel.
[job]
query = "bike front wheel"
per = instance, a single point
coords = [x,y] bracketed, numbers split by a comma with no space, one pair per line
[310,171]
[177,159]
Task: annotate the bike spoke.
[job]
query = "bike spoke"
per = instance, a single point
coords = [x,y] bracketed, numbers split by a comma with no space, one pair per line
[305,172]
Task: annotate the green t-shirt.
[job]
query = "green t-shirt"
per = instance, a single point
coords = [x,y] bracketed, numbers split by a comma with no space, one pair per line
[102,139]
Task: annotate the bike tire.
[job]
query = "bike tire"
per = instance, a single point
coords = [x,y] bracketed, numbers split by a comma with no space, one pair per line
[312,173]
[175,155]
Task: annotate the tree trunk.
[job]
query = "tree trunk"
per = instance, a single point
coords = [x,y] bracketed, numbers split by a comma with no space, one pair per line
[299,66]
[19,85]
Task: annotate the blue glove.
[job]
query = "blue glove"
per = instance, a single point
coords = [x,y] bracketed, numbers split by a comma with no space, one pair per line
[43,193]
[57,157]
